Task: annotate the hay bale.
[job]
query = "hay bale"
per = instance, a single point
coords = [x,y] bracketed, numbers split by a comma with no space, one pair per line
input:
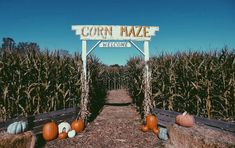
[23,140]
[198,136]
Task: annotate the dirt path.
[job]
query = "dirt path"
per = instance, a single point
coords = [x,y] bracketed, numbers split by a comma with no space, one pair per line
[117,126]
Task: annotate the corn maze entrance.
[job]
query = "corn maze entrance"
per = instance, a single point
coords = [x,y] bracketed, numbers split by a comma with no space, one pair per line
[101,33]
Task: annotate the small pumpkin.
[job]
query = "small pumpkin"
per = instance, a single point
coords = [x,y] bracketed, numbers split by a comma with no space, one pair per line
[63,135]
[185,120]
[151,124]
[151,121]
[144,128]
[78,125]
[156,130]
[17,127]
[50,131]
[64,126]
[71,133]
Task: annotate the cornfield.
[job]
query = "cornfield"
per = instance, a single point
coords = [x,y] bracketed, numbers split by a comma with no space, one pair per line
[34,82]
[135,67]
[97,89]
[115,77]
[202,84]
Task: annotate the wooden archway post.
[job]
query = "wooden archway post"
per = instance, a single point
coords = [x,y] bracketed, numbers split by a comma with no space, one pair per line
[84,83]
[148,103]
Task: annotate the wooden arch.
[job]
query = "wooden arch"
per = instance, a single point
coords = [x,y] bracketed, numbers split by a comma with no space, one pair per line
[106,32]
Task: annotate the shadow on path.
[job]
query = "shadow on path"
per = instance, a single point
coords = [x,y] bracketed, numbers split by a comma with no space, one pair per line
[118,104]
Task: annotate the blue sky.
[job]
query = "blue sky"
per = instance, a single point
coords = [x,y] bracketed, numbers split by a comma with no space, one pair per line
[184,24]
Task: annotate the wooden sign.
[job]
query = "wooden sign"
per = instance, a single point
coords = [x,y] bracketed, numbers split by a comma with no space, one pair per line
[105,32]
[114,44]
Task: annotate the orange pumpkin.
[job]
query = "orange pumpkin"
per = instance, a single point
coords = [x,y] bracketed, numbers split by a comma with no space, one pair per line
[151,121]
[78,125]
[50,131]
[155,130]
[185,120]
[63,135]
[144,128]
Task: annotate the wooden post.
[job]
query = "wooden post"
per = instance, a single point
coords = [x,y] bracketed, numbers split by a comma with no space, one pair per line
[148,103]
[84,50]
[85,89]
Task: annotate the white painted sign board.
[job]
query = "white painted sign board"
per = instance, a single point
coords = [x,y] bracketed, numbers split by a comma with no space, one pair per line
[106,32]
[115,44]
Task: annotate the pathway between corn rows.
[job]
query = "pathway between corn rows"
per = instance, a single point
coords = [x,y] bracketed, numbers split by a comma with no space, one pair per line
[115,126]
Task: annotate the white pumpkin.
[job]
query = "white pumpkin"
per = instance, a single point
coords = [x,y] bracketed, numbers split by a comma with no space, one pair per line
[64,127]
[71,133]
[17,127]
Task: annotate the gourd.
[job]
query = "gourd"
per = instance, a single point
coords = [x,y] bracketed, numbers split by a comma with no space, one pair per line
[144,128]
[78,125]
[17,127]
[151,121]
[71,133]
[64,126]
[50,131]
[155,130]
[185,120]
[63,135]
[151,124]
